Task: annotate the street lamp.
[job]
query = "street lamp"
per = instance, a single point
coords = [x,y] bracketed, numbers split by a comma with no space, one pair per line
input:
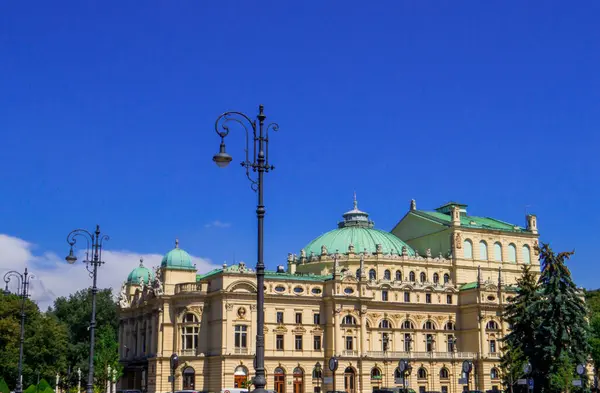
[95,240]
[318,372]
[23,280]
[257,161]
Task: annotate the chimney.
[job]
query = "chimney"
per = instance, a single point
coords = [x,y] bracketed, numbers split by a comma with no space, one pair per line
[532,223]
[291,264]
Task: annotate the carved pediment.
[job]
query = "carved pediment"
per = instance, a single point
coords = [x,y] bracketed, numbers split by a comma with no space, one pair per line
[299,330]
[280,329]
[317,330]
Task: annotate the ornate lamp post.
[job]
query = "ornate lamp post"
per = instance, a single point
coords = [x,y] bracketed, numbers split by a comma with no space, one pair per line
[318,372]
[95,240]
[256,161]
[23,280]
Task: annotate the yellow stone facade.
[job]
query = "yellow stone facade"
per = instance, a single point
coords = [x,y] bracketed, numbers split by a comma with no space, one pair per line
[436,308]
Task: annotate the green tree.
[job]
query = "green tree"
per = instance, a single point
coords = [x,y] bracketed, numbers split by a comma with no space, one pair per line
[522,316]
[3,386]
[561,340]
[107,354]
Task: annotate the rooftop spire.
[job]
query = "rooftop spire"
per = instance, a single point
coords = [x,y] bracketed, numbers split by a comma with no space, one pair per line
[141,261]
[356,217]
[176,243]
[355,202]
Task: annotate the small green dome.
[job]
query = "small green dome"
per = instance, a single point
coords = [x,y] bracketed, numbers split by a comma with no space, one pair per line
[357,230]
[140,273]
[177,259]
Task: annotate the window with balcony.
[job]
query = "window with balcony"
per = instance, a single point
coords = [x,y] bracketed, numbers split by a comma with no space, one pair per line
[299,318]
[189,333]
[317,343]
[398,275]
[429,342]
[428,298]
[407,342]
[372,274]
[448,299]
[279,317]
[241,336]
[279,342]
[317,319]
[406,297]
[349,343]
[298,341]
[492,346]
[387,275]
[384,296]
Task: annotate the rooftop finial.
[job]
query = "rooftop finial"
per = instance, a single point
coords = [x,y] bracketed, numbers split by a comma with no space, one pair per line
[176,243]
[355,202]
[141,261]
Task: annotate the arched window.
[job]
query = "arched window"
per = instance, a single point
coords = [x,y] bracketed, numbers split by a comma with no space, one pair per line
[317,373]
[411,276]
[446,278]
[349,320]
[492,325]
[449,326]
[423,277]
[375,373]
[387,275]
[372,274]
[468,249]
[397,373]
[398,275]
[408,325]
[189,378]
[358,274]
[526,254]
[422,373]
[189,333]
[512,253]
[494,374]
[384,324]
[428,325]
[444,374]
[483,253]
[436,278]
[497,252]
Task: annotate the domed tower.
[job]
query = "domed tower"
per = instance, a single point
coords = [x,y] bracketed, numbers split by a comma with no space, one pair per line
[177,267]
[356,234]
[140,274]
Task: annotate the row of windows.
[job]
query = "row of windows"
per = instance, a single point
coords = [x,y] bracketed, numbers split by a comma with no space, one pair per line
[387,275]
[422,373]
[385,297]
[483,251]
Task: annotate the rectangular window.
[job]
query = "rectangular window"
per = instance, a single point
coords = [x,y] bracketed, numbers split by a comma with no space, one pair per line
[317,343]
[317,389]
[349,343]
[428,298]
[444,389]
[298,343]
[421,389]
[429,342]
[407,341]
[279,342]
[450,343]
[298,317]
[317,319]
[406,297]
[449,299]
[384,296]
[280,317]
[241,336]
[492,346]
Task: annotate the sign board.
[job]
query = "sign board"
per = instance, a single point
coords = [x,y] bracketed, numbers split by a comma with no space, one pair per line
[522,381]
[328,380]
[462,381]
[577,382]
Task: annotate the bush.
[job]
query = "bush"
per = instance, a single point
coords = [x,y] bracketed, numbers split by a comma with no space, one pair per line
[31,389]
[43,385]
[3,386]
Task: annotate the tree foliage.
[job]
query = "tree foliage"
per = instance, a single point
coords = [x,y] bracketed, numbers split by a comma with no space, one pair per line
[3,386]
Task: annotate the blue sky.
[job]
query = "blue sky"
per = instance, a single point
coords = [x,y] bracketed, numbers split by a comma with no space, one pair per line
[107,113]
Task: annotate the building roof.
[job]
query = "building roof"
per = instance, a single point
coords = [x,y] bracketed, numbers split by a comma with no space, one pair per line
[140,273]
[440,215]
[269,274]
[357,230]
[177,259]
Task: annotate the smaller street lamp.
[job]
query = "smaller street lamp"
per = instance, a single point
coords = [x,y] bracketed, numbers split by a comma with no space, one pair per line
[318,371]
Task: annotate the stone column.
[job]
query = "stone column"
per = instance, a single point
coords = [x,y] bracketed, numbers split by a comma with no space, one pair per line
[363,331]
[337,331]
[159,337]
[483,349]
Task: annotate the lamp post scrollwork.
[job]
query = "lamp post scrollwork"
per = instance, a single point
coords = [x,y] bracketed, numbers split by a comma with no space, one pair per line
[23,281]
[94,240]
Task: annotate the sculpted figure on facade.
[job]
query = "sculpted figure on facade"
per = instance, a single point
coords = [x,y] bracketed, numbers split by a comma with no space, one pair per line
[458,240]
[323,250]
[123,301]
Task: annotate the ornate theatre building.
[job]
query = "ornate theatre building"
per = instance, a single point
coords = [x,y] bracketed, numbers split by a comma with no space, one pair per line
[431,291]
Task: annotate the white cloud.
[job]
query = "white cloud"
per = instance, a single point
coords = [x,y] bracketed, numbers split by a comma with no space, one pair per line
[54,277]
[217,224]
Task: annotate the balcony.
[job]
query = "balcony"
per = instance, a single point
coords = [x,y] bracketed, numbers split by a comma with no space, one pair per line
[188,352]
[421,355]
[190,287]
[241,351]
[349,352]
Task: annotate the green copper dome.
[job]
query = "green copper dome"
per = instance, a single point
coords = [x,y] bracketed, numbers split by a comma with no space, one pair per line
[140,273]
[177,259]
[357,230]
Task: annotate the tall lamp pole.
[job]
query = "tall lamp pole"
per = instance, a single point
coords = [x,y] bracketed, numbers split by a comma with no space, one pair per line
[95,240]
[257,160]
[23,280]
